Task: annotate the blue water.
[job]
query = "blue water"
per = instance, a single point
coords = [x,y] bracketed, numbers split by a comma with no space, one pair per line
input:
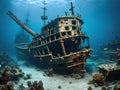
[101,24]
[101,18]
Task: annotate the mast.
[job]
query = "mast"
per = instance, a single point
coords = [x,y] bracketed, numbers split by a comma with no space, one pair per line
[26,21]
[72,9]
[26,28]
[44,17]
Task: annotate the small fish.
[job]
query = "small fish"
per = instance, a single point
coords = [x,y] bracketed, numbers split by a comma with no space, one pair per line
[105,49]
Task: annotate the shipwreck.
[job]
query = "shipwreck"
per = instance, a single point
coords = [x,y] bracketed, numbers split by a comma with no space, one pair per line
[61,42]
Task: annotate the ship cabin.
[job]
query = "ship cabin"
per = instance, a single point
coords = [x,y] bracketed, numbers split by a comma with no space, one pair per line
[60,37]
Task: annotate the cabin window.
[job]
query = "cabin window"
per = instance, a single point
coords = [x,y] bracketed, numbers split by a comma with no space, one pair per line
[32,51]
[75,60]
[45,51]
[52,31]
[74,27]
[48,32]
[63,33]
[47,39]
[39,42]
[74,22]
[53,47]
[52,38]
[41,52]
[79,58]
[57,36]
[37,52]
[69,33]
[36,44]
[55,31]
[66,28]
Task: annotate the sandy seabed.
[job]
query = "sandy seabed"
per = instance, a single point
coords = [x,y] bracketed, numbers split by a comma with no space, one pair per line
[52,83]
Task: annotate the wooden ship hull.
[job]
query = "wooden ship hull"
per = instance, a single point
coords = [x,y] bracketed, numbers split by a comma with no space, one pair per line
[61,44]
[21,44]
[22,49]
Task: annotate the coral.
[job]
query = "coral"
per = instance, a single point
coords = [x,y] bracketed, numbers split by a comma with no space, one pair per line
[16,72]
[89,88]
[9,74]
[50,72]
[8,86]
[21,87]
[103,88]
[40,85]
[28,76]
[109,88]
[90,82]
[5,77]
[35,85]
[98,78]
[116,87]
[95,84]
